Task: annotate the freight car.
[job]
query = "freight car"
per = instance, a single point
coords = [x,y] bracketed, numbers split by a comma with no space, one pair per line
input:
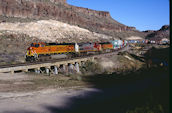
[117,44]
[88,48]
[107,46]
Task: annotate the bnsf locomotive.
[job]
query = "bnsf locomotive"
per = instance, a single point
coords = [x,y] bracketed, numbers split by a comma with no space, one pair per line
[43,51]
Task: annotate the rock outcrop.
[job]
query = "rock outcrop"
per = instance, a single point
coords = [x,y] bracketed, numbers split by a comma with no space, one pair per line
[96,21]
[163,32]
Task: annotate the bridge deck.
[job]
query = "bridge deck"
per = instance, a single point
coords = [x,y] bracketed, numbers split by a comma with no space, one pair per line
[38,65]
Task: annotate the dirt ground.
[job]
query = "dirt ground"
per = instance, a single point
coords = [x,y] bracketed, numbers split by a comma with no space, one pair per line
[23,82]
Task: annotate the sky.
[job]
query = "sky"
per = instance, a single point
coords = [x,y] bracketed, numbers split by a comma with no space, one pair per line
[142,14]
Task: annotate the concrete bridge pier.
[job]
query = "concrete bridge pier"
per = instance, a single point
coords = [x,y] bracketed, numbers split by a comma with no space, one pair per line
[77,67]
[64,66]
[47,70]
[37,71]
[12,72]
[70,69]
[26,70]
[56,70]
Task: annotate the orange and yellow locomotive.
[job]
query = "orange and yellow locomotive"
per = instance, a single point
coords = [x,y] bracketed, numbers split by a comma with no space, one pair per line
[45,50]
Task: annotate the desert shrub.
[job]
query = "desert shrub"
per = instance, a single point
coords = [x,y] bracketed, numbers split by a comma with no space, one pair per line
[91,67]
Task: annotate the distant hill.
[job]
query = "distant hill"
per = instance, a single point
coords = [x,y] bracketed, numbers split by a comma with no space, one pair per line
[164,32]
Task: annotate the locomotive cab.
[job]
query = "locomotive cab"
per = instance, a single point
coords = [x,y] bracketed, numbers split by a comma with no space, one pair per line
[31,54]
[36,45]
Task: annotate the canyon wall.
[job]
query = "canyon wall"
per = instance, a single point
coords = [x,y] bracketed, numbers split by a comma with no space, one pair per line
[96,21]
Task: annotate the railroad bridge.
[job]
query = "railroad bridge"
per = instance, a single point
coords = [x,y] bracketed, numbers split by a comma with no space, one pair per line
[54,66]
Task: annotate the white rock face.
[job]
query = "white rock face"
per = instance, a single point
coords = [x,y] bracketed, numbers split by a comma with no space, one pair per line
[51,30]
[134,38]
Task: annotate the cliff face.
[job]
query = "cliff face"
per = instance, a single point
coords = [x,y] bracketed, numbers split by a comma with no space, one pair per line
[96,21]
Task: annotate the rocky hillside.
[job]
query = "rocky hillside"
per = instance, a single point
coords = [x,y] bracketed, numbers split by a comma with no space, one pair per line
[164,32]
[95,21]
[52,31]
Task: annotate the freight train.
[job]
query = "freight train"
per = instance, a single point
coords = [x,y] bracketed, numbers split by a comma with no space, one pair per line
[44,51]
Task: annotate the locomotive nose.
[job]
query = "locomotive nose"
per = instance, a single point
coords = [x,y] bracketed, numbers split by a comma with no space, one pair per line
[29,48]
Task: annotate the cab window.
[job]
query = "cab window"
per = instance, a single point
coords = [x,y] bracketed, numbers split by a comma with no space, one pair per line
[42,45]
[36,45]
[32,45]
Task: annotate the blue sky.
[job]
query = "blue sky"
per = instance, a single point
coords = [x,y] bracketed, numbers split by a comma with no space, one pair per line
[142,14]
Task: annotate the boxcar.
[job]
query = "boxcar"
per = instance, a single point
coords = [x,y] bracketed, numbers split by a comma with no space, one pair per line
[117,44]
[86,48]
